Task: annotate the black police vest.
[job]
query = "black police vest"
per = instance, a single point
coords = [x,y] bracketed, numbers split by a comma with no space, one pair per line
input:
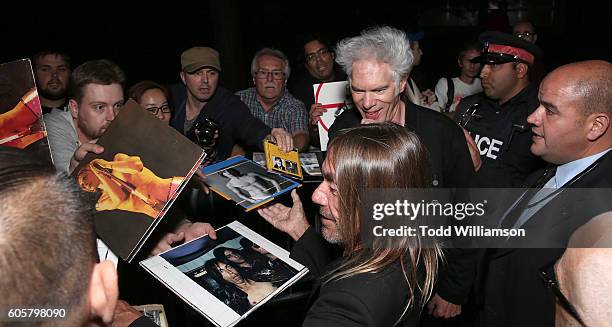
[494,130]
[503,138]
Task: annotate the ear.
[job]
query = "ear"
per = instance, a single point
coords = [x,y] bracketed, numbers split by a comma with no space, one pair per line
[182,75]
[403,85]
[598,125]
[522,70]
[74,108]
[103,292]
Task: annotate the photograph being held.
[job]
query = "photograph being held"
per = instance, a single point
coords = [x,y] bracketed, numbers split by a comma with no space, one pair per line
[278,163]
[250,187]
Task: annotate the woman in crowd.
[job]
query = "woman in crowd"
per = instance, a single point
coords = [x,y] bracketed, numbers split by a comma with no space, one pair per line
[153,97]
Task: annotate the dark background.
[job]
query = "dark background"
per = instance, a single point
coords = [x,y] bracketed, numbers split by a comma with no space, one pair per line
[146,38]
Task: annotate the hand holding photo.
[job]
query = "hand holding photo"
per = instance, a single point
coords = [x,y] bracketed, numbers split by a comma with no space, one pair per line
[283,162]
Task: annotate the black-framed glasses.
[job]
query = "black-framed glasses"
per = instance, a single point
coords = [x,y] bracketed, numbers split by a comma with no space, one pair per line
[549,277]
[263,74]
[311,57]
[154,110]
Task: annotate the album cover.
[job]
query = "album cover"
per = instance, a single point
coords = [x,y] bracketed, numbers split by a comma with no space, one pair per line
[21,123]
[144,167]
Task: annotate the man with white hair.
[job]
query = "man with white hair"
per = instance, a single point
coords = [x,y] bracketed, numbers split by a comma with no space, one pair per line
[270,101]
[378,63]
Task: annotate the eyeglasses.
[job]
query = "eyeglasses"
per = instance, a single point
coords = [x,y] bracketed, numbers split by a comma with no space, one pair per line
[524,34]
[311,57]
[263,74]
[154,110]
[547,274]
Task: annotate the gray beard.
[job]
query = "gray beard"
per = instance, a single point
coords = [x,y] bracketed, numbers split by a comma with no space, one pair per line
[333,238]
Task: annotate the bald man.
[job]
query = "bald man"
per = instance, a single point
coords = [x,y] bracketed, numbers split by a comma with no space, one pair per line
[572,132]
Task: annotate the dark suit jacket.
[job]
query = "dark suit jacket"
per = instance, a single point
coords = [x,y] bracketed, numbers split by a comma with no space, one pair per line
[514,295]
[368,299]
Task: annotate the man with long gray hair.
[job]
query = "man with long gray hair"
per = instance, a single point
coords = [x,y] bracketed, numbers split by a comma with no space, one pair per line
[374,283]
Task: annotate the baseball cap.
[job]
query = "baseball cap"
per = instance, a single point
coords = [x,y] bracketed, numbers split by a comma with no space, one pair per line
[500,48]
[196,58]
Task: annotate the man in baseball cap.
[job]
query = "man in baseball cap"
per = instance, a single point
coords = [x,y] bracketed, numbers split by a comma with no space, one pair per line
[196,58]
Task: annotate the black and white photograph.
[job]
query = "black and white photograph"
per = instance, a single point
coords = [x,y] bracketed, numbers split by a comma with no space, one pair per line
[310,163]
[245,182]
[292,166]
[278,163]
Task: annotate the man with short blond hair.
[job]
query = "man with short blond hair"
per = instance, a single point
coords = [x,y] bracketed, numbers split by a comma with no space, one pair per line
[97,97]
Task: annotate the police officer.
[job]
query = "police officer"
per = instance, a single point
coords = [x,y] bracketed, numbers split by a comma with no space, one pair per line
[497,118]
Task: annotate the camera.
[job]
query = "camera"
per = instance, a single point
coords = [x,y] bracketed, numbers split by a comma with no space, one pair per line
[205,133]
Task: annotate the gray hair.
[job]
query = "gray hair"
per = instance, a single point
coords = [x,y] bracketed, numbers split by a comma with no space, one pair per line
[274,53]
[383,43]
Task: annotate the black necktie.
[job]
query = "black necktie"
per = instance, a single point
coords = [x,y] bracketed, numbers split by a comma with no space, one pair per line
[520,206]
